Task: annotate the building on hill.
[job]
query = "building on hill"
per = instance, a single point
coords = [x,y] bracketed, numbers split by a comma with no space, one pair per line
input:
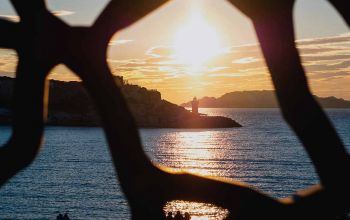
[119,80]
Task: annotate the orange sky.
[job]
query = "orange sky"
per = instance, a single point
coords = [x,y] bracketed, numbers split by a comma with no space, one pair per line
[207,48]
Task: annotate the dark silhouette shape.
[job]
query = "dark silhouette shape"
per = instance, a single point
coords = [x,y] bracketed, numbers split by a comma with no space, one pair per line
[195,104]
[59,217]
[42,41]
[178,216]
[187,216]
[169,216]
[65,217]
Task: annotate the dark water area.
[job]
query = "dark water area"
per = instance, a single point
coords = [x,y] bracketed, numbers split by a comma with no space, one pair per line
[74,173]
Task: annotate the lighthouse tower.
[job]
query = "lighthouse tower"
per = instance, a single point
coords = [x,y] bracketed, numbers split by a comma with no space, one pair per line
[195,104]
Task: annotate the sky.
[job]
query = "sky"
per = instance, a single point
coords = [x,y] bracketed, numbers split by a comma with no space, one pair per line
[207,48]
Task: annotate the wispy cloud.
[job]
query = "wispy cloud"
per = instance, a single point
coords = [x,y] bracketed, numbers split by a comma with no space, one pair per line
[160,51]
[245,60]
[327,61]
[59,13]
[14,18]
[119,42]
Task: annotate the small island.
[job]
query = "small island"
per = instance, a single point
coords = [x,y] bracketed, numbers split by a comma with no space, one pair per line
[70,105]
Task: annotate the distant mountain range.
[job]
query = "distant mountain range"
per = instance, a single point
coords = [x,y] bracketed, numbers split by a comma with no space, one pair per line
[259,99]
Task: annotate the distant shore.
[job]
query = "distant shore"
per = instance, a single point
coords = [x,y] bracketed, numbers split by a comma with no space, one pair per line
[260,99]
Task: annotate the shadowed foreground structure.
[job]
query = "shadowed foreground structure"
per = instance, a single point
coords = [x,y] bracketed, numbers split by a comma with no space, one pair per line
[42,41]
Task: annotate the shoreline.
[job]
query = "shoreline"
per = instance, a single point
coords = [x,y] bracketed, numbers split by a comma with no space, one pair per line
[193,122]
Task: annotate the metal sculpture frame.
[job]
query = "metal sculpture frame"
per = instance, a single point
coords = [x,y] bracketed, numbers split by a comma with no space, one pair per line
[43,41]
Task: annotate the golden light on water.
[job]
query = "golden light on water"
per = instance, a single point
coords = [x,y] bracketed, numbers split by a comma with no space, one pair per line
[198,153]
[196,42]
[198,211]
[198,156]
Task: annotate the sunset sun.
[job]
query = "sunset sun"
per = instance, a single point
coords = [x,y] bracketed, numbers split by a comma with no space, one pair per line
[196,42]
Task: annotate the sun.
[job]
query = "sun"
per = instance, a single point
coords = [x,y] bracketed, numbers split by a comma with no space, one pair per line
[195,43]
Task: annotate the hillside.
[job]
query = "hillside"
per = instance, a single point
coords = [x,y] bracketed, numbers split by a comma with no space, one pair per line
[259,99]
[70,105]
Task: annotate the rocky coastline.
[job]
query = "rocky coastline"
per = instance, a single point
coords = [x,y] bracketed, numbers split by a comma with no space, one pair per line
[70,105]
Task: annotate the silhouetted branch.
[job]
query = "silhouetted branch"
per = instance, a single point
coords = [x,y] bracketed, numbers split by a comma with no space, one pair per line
[343,8]
[257,9]
[300,109]
[137,175]
[29,10]
[119,14]
[29,107]
[8,34]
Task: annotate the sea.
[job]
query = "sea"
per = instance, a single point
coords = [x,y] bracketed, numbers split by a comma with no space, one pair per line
[73,172]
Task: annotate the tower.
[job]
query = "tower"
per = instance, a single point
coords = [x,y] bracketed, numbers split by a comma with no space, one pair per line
[195,103]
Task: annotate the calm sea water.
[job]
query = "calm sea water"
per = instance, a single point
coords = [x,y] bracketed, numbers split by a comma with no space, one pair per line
[74,173]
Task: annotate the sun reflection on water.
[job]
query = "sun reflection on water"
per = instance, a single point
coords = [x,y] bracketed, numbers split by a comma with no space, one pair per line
[196,153]
[198,211]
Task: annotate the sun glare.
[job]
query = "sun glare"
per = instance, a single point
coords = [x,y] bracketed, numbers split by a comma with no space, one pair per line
[196,42]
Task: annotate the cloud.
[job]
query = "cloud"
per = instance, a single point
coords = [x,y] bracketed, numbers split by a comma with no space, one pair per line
[160,51]
[325,40]
[119,42]
[245,60]
[326,60]
[226,75]
[330,75]
[328,67]
[315,58]
[59,13]
[13,18]
[312,50]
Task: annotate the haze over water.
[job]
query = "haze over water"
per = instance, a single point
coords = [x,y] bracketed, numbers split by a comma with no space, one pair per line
[74,173]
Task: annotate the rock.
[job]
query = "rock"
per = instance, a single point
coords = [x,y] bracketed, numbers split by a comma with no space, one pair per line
[70,105]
